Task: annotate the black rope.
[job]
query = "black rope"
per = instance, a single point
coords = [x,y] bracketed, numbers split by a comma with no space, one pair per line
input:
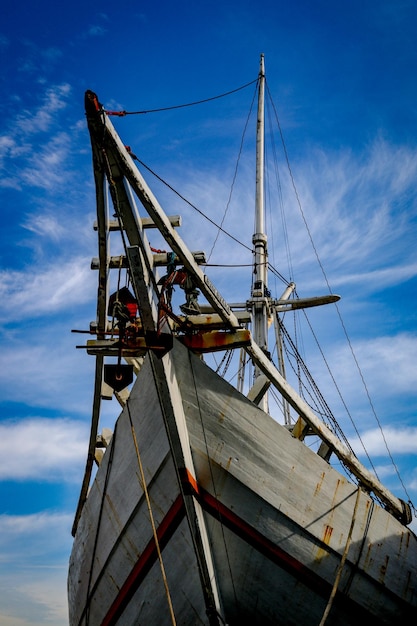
[193,206]
[180,106]
[234,175]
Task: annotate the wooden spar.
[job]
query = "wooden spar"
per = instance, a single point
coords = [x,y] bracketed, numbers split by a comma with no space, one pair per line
[159,260]
[146,223]
[175,423]
[304,303]
[102,298]
[398,507]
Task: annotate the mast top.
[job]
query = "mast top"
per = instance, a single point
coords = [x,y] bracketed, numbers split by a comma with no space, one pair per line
[262,65]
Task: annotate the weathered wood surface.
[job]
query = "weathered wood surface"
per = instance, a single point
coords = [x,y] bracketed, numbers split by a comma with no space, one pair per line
[269,483]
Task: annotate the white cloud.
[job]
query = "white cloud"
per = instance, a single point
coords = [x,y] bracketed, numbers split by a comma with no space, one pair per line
[29,153]
[358,209]
[389,363]
[47,171]
[41,449]
[97,31]
[46,292]
[48,590]
[17,527]
[383,367]
[34,598]
[379,278]
[6,144]
[45,225]
[54,100]
[400,441]
[39,361]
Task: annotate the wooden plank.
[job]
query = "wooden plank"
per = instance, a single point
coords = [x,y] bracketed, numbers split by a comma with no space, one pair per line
[147,222]
[159,260]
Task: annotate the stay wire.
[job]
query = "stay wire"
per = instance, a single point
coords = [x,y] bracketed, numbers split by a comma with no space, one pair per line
[340,396]
[235,172]
[269,105]
[181,106]
[164,182]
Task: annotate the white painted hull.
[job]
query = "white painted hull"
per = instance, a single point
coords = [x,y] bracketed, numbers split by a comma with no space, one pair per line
[276,514]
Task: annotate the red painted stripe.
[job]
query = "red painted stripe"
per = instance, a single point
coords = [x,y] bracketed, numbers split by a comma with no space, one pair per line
[252,536]
[144,563]
[227,517]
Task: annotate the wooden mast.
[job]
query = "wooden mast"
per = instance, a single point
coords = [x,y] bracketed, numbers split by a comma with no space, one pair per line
[260,303]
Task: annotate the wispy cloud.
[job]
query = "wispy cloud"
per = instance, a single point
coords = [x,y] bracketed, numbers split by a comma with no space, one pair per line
[97,31]
[379,278]
[50,372]
[387,363]
[41,449]
[34,596]
[17,527]
[46,170]
[46,292]
[358,207]
[400,441]
[45,226]
[36,61]
[29,154]
[40,120]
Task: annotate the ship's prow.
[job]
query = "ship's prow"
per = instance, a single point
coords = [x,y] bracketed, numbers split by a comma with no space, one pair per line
[276,518]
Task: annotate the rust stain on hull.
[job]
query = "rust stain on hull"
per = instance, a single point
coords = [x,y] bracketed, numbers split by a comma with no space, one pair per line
[327,534]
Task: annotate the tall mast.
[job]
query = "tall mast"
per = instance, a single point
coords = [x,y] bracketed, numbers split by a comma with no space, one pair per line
[260,304]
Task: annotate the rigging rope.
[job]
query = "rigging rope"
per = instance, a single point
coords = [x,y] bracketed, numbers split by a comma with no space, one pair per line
[180,106]
[340,395]
[235,174]
[193,206]
[143,484]
[279,192]
[325,408]
[342,562]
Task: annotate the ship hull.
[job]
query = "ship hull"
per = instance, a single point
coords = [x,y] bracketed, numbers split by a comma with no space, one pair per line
[278,521]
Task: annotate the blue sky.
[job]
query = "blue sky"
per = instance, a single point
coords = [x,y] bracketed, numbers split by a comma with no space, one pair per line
[342,76]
